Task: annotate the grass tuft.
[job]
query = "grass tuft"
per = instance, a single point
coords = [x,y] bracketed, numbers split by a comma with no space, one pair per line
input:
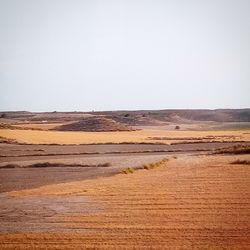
[155,164]
[128,171]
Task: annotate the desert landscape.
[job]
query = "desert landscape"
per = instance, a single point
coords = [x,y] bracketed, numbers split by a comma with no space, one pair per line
[131,179]
[124,124]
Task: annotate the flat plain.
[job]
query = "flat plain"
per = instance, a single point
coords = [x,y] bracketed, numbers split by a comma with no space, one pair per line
[153,188]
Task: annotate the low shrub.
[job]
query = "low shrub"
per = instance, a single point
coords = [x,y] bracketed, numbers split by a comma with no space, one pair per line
[128,170]
[241,162]
[155,164]
[104,165]
[146,166]
[237,149]
[10,166]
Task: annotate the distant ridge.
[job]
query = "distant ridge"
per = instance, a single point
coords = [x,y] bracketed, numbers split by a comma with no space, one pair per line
[181,115]
[132,118]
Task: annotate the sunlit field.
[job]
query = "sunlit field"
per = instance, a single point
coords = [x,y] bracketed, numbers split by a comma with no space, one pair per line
[124,125]
[189,202]
[140,136]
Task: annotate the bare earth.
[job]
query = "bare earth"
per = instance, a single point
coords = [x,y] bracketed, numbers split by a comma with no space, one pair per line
[195,200]
[23,178]
[118,156]
[191,202]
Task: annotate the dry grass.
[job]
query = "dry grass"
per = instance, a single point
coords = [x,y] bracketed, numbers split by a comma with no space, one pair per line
[237,149]
[155,164]
[241,162]
[6,140]
[53,165]
[194,203]
[57,137]
[147,166]
[128,170]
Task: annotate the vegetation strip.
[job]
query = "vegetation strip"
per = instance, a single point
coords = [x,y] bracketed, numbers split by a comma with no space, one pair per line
[241,162]
[48,164]
[111,152]
[237,149]
[149,166]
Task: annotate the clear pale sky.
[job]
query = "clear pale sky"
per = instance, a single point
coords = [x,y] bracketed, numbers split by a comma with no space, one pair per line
[110,54]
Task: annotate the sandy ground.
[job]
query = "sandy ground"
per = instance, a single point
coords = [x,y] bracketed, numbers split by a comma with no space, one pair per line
[192,202]
[145,135]
[23,178]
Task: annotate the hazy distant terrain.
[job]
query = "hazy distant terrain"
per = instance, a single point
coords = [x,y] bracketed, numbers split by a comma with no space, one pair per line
[135,117]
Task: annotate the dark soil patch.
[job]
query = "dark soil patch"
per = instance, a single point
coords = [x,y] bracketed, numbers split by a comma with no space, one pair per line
[94,124]
[53,165]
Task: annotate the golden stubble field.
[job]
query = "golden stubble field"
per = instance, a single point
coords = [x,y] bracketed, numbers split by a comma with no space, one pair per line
[140,136]
[192,202]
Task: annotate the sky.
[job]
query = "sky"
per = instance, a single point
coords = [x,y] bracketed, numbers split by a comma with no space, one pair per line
[82,55]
